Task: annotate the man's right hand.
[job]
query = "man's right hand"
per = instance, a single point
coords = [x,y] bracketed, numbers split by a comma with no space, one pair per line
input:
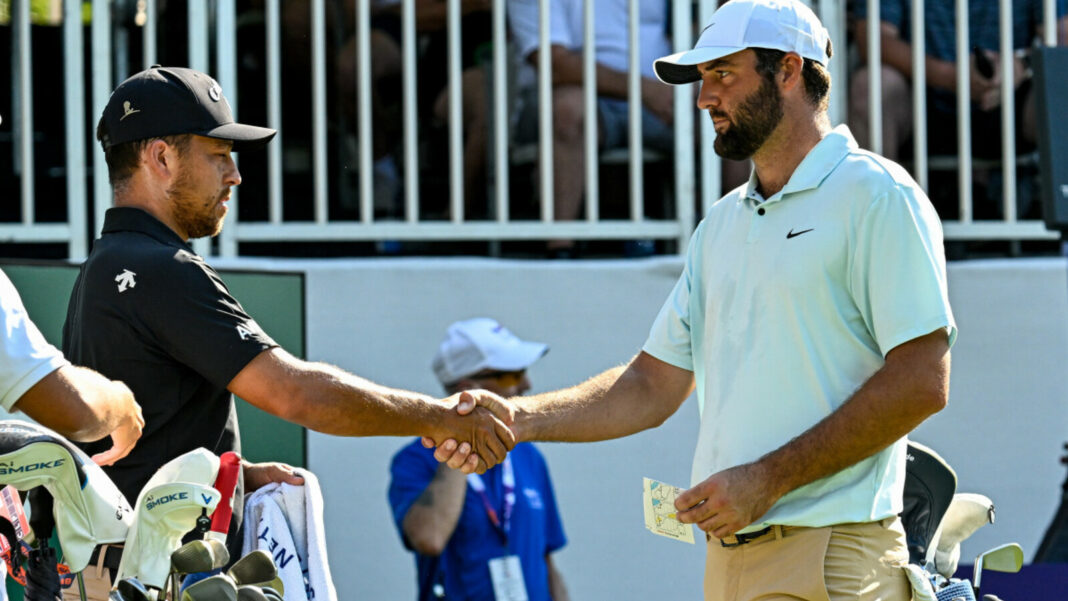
[126,434]
[491,446]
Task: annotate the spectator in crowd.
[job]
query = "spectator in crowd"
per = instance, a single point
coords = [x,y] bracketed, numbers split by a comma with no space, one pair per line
[613,62]
[812,319]
[465,531]
[148,310]
[940,66]
[432,87]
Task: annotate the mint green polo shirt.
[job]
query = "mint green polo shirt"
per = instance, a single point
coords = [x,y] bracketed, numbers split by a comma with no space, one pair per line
[787,305]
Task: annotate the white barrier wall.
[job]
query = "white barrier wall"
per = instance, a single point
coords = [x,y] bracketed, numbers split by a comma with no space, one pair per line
[383,318]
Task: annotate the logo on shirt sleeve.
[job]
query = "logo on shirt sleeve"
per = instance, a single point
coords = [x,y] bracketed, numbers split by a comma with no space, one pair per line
[250,330]
[125,280]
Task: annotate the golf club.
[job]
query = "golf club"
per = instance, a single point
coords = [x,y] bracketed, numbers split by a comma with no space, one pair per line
[216,588]
[257,568]
[1005,558]
[193,557]
[247,592]
[131,589]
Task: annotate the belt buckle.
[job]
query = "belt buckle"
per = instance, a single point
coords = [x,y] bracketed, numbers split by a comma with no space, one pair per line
[745,538]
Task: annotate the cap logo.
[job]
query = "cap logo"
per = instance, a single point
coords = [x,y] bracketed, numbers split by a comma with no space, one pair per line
[128,110]
[215,92]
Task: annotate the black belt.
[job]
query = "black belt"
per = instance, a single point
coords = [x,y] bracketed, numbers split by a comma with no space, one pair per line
[112,557]
[741,539]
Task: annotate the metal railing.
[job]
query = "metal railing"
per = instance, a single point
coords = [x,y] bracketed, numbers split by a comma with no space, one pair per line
[212,47]
[966,226]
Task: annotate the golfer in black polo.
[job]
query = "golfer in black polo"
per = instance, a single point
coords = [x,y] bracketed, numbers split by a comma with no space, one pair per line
[149,311]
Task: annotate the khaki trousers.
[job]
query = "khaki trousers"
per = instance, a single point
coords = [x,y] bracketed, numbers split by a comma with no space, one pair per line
[858,562]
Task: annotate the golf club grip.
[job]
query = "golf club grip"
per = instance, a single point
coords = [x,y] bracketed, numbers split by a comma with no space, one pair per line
[225,482]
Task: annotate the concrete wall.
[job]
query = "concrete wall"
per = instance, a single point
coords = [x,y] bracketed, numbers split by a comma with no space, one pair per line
[383,318]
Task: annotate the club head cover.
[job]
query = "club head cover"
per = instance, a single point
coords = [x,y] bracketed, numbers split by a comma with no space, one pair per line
[929,486]
[216,588]
[272,594]
[967,513]
[89,509]
[147,554]
[163,516]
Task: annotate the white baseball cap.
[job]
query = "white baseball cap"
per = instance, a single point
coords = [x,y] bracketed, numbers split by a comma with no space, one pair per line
[473,345]
[786,25]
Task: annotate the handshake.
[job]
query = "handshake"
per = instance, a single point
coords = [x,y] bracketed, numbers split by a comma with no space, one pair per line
[476,433]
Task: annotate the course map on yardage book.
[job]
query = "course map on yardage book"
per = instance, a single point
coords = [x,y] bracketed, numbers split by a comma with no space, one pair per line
[658,500]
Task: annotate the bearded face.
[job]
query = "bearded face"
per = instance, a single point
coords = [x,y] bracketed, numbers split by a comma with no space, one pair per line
[198,193]
[751,124]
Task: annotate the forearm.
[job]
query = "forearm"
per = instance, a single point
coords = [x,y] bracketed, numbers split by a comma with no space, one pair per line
[567,71]
[616,403]
[893,50]
[557,588]
[895,400]
[78,403]
[432,519]
[330,400]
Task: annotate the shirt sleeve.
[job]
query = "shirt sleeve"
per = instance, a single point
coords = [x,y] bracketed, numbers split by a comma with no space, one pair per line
[196,320]
[25,356]
[669,337]
[411,471]
[890,11]
[524,20]
[898,277]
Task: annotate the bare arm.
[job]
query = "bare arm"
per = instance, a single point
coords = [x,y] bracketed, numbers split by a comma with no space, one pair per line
[432,519]
[619,402]
[84,406]
[557,588]
[616,403]
[330,400]
[912,385]
[897,53]
[567,70]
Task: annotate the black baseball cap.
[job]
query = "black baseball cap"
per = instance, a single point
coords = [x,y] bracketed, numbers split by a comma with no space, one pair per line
[168,101]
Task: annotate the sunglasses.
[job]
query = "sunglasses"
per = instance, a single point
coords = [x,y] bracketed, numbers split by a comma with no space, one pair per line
[506,379]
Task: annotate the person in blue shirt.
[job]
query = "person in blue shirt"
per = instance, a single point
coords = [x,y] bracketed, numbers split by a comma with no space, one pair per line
[488,537]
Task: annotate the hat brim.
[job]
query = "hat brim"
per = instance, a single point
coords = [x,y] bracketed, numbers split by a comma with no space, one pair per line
[681,67]
[244,137]
[520,356]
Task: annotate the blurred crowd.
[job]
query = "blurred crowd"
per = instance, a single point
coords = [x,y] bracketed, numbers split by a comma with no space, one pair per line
[566,38]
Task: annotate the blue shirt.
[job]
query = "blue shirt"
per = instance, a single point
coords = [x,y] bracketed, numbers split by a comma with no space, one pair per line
[463,567]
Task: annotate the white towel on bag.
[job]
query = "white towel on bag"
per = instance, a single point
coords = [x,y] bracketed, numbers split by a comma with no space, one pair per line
[286,521]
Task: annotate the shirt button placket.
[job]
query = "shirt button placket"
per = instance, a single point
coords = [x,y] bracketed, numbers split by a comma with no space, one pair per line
[755,225]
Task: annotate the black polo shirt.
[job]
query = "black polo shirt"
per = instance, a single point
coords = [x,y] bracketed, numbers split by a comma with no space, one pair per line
[147,310]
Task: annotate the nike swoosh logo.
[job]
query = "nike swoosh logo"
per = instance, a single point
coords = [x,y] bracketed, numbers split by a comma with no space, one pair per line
[792,233]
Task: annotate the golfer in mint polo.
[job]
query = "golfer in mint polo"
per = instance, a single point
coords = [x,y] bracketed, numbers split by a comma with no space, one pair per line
[811,317]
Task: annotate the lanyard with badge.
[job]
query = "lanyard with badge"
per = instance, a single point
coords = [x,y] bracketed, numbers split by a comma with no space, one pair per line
[506,572]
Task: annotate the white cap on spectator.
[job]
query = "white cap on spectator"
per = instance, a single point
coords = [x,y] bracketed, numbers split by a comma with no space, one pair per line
[786,25]
[473,345]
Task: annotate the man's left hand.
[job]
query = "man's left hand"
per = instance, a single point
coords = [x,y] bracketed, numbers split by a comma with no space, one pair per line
[728,501]
[261,474]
